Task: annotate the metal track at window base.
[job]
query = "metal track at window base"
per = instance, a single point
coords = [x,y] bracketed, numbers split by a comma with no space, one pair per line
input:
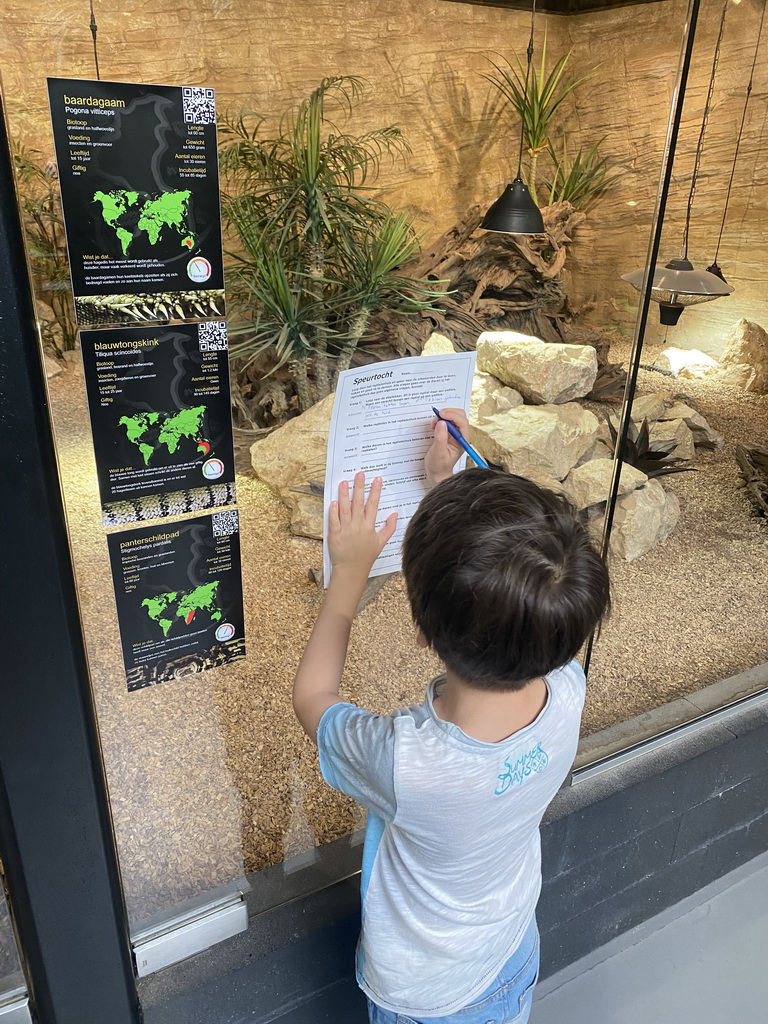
[662,739]
[14,1007]
[191,932]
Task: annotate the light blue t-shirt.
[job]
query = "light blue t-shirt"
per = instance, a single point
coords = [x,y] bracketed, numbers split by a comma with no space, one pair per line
[452,857]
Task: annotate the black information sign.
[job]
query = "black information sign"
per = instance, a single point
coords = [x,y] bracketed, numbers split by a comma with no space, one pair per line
[159,403]
[179,597]
[139,178]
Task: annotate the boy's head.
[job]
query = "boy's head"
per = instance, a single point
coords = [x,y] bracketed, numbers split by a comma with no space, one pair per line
[502,578]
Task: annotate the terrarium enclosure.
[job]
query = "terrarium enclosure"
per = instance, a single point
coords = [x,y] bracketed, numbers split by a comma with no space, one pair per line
[414,106]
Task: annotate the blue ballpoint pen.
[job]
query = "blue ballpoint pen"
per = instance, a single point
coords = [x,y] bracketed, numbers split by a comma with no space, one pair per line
[456,435]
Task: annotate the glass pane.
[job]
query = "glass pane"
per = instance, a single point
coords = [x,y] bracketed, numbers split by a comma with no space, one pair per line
[211,779]
[690,587]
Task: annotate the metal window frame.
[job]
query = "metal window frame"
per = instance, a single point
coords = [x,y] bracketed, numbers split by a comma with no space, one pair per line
[56,840]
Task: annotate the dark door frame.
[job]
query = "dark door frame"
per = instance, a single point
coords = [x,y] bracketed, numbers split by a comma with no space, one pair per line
[56,841]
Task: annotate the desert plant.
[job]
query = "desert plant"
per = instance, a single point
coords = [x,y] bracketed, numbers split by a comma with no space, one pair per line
[287,315]
[371,262]
[538,106]
[581,180]
[651,459]
[300,198]
[45,239]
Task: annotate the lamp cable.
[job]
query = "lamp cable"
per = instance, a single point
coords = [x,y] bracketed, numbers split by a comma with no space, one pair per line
[529,52]
[700,143]
[741,131]
[94,29]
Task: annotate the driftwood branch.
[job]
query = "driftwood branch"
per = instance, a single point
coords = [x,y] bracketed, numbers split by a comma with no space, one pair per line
[753,463]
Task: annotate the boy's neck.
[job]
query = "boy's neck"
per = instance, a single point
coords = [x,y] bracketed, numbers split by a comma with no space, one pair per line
[489,715]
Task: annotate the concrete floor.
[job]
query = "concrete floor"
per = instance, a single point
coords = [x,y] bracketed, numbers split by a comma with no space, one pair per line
[703,961]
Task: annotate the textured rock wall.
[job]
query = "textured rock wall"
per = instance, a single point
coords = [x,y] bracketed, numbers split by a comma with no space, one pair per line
[628,100]
[423,60]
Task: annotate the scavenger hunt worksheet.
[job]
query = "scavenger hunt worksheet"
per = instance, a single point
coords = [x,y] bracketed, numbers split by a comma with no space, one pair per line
[382,426]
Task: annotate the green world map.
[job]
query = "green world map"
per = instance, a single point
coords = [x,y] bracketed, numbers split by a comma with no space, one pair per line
[149,431]
[165,609]
[155,213]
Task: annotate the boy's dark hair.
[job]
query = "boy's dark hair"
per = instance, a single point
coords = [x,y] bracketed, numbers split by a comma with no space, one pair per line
[502,578]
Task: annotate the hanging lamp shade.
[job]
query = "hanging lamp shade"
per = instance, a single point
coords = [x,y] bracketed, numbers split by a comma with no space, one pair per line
[678,284]
[514,212]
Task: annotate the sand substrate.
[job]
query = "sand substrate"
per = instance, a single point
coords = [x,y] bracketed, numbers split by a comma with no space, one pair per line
[210,776]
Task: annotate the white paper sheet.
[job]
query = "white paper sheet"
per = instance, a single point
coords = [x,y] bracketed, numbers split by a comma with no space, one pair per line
[382,426]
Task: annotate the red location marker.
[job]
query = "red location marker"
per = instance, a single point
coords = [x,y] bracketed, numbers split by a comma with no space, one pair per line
[190,616]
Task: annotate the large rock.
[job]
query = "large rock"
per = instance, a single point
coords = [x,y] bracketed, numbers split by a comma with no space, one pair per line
[541,371]
[52,367]
[438,345]
[291,457]
[651,407]
[590,484]
[677,431]
[744,363]
[642,520]
[704,436]
[598,450]
[490,397]
[664,406]
[687,362]
[542,443]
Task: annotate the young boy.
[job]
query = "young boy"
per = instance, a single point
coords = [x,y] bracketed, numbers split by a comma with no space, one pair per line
[505,586]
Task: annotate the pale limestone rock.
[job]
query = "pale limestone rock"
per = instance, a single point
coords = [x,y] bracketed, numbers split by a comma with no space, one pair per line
[490,396]
[599,450]
[542,443]
[745,359]
[438,345]
[643,519]
[590,483]
[651,407]
[704,436]
[541,371]
[295,453]
[677,431]
[306,514]
[52,368]
[687,362]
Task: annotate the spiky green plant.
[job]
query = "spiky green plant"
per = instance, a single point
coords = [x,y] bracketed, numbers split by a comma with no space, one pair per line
[46,243]
[581,180]
[371,263]
[651,459]
[303,193]
[537,108]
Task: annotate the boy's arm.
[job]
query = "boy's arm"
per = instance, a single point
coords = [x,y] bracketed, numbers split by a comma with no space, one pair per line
[353,546]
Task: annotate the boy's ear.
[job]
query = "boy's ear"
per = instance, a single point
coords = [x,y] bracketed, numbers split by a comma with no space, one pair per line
[421,640]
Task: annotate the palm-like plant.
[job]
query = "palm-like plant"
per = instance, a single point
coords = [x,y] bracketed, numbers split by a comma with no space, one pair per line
[303,194]
[286,315]
[372,259]
[582,180]
[537,106]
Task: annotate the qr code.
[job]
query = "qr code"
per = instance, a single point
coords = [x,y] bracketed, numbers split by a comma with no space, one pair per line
[199,105]
[212,336]
[225,523]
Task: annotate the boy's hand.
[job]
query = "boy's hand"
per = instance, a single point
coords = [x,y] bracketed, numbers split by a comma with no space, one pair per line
[445,452]
[353,541]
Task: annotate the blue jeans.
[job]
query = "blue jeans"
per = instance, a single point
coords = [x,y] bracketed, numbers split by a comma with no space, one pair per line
[506,1001]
